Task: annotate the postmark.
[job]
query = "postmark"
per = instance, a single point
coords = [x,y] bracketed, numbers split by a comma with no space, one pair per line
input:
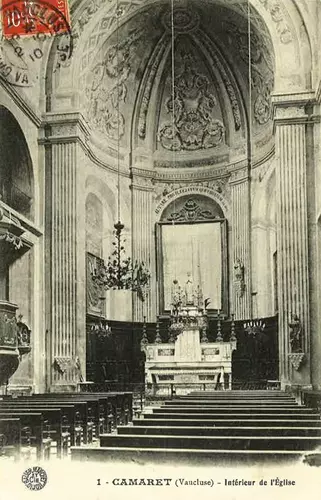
[34,478]
[21,52]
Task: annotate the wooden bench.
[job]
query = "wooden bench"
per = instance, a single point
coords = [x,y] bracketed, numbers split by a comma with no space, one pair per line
[95,417]
[69,426]
[53,422]
[32,433]
[10,442]
[76,412]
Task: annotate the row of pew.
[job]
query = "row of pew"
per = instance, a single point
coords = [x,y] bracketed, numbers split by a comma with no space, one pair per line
[43,424]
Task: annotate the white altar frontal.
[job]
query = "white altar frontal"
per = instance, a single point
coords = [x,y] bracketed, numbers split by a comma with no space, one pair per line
[188,361]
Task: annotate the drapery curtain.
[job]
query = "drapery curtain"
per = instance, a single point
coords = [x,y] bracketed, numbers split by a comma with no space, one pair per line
[193,250]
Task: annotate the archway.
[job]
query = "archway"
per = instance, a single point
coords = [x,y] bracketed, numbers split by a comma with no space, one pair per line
[16,176]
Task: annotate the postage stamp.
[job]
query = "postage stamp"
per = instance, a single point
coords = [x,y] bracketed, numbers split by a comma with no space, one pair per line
[20,55]
[25,17]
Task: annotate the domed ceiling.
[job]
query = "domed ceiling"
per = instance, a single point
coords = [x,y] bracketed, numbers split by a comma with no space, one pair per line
[132,83]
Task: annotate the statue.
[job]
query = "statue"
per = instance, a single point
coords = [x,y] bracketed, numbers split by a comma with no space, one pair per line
[189,292]
[239,282]
[176,295]
[296,334]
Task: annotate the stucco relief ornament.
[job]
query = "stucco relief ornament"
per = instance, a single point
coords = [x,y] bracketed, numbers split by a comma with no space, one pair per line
[107,89]
[192,104]
[262,70]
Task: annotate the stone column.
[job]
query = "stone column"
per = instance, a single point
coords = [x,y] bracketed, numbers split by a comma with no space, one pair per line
[65,251]
[290,121]
[241,245]
[143,242]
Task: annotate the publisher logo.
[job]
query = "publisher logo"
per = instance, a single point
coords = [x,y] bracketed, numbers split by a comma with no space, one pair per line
[35,478]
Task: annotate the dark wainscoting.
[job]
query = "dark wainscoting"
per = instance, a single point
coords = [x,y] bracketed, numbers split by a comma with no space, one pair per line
[118,358]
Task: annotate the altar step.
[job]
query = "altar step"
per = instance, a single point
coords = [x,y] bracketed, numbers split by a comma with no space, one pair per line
[224,402]
[243,422]
[237,412]
[238,395]
[212,428]
[220,430]
[249,442]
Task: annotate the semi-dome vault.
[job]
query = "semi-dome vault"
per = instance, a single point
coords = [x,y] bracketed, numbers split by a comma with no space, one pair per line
[127,93]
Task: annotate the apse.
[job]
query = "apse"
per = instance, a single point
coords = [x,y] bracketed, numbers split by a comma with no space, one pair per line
[177,94]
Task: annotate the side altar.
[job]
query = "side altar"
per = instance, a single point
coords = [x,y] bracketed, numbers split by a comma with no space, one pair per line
[188,360]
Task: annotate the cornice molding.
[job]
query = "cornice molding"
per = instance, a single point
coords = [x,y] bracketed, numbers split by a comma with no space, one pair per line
[291,99]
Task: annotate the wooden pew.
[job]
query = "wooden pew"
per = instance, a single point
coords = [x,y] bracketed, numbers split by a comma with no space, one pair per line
[10,432]
[32,434]
[91,413]
[52,428]
[73,412]
[73,419]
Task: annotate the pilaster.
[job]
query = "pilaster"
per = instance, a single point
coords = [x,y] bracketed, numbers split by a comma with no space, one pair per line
[241,246]
[63,138]
[290,121]
[143,249]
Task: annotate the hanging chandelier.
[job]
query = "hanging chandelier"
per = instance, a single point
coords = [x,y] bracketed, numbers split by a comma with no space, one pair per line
[120,272]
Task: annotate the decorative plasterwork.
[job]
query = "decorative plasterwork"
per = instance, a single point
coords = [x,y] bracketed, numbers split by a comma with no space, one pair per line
[275,9]
[278,16]
[193,189]
[191,211]
[261,68]
[151,74]
[207,43]
[296,359]
[191,126]
[108,89]
[221,186]
[213,160]
[185,21]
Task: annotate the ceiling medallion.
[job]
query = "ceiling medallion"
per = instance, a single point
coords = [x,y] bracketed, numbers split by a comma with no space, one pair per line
[185,21]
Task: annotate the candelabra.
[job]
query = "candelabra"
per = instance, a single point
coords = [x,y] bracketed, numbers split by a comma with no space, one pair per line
[219,337]
[158,339]
[102,330]
[253,327]
[233,336]
[144,340]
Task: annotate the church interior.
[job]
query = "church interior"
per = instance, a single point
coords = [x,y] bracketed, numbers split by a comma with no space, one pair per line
[160,231]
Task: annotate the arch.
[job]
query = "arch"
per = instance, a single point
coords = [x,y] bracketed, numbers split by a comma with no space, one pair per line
[16,171]
[196,190]
[192,209]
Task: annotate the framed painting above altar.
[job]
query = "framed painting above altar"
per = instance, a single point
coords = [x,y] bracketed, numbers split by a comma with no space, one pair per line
[194,254]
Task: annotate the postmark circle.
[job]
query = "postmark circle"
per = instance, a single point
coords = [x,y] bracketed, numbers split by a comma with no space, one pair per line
[34,478]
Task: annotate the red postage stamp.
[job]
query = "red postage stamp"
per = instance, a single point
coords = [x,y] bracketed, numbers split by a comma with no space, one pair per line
[25,17]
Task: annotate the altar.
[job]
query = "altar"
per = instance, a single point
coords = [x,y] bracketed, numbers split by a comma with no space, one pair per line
[188,361]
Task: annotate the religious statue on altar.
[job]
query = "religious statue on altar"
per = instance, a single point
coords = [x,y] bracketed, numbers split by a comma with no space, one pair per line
[186,298]
[189,291]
